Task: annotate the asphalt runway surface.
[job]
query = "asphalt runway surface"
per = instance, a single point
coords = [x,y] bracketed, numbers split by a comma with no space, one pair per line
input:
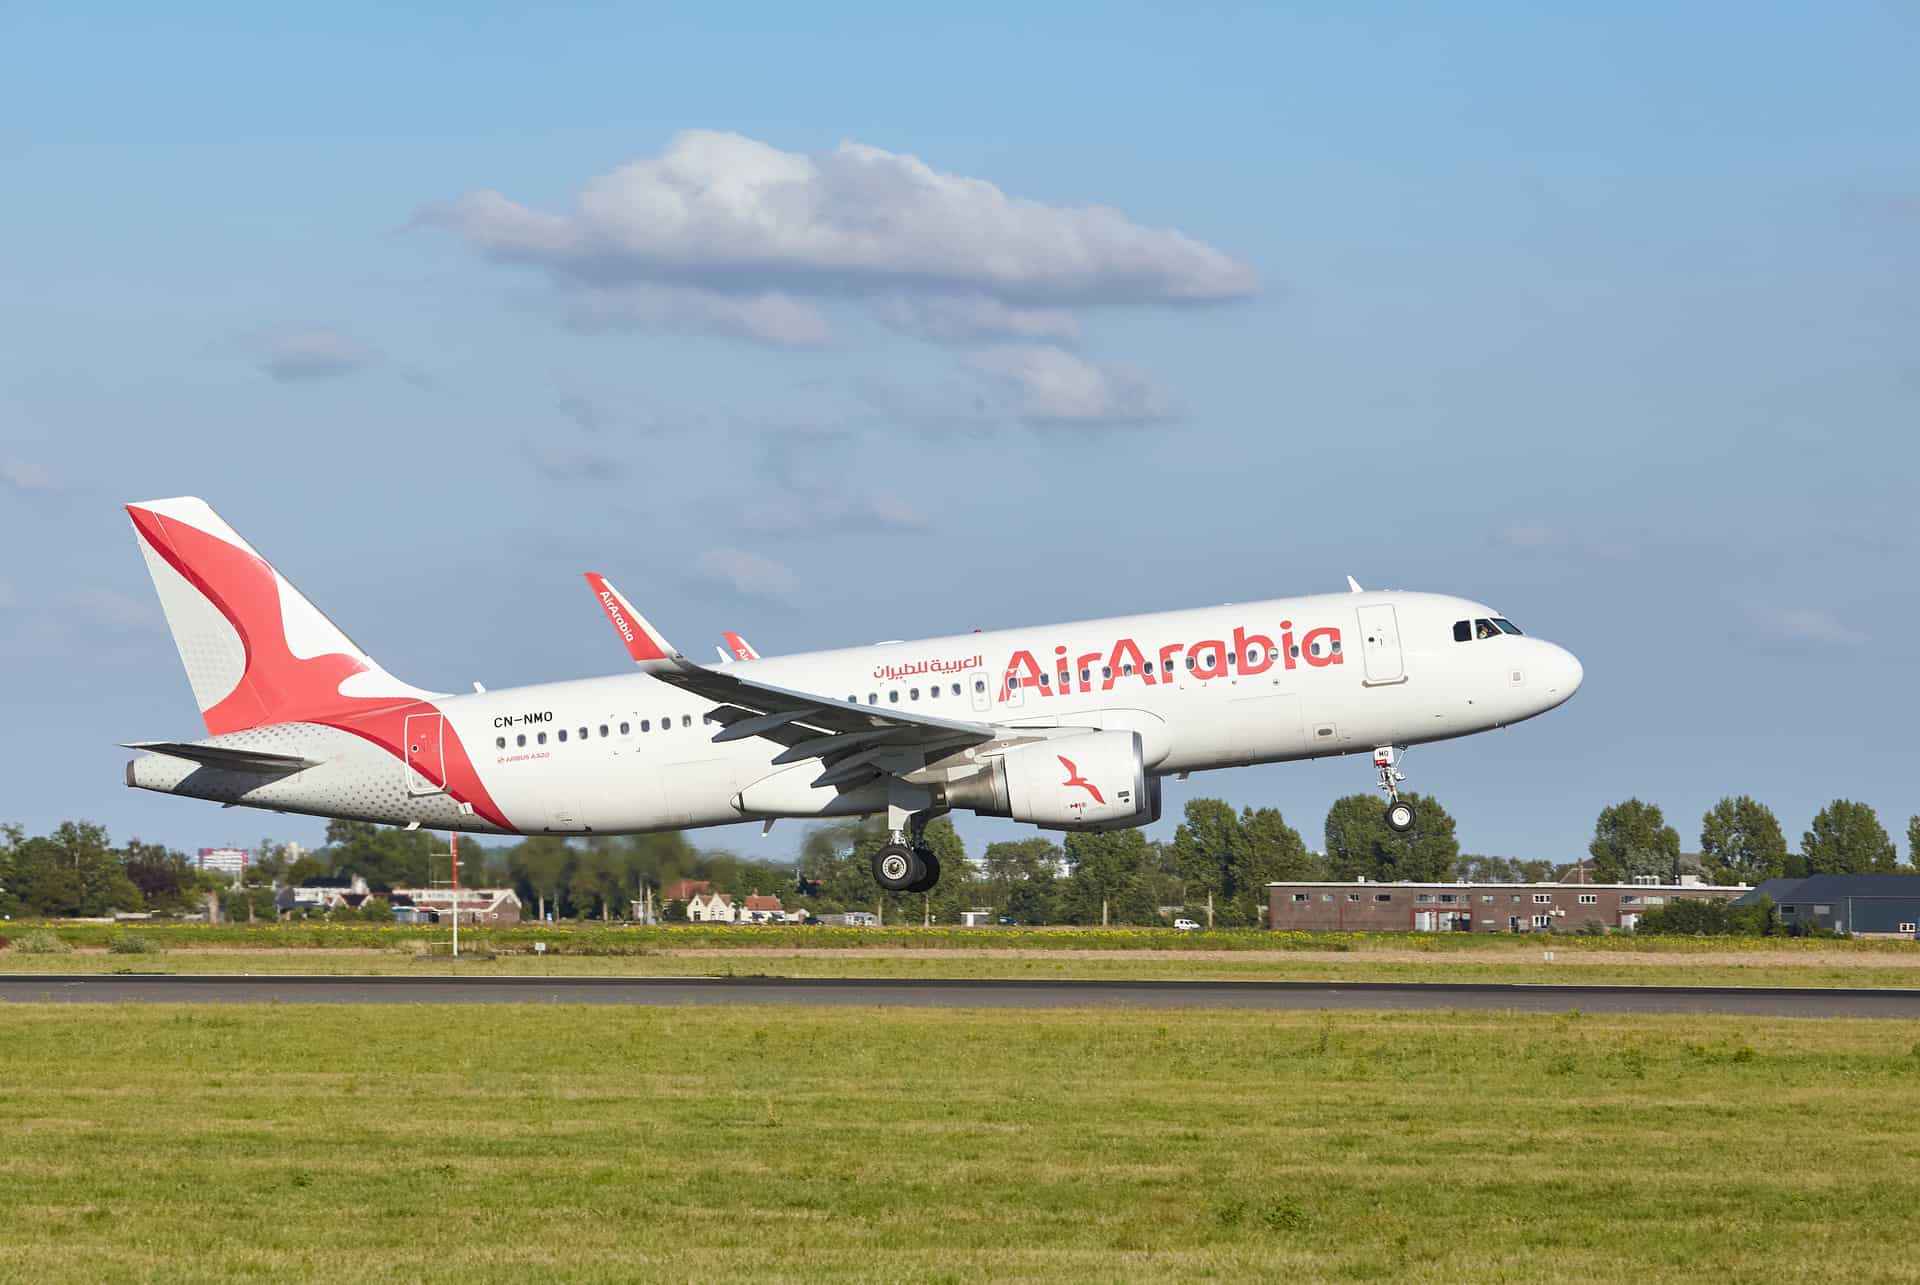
[926,993]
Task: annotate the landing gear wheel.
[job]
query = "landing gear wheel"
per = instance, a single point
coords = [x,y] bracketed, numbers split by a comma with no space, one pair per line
[1399,816]
[896,868]
[930,867]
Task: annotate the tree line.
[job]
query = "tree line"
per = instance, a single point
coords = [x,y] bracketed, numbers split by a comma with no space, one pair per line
[1217,858]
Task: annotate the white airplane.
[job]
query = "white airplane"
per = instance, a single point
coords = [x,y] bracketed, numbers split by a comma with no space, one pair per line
[1066,727]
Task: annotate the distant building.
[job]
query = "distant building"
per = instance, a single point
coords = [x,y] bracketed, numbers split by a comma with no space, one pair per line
[1472,907]
[851,919]
[476,905]
[686,889]
[228,861]
[324,894]
[762,910]
[1879,905]
[712,908]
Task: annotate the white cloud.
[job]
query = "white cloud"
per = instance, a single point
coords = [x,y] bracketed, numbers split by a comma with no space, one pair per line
[1049,386]
[725,232]
[969,318]
[115,608]
[749,575]
[306,352]
[767,315]
[814,512]
[1809,624]
[1526,535]
[28,477]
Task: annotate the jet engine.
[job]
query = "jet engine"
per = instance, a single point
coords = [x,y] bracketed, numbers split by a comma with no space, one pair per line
[1094,782]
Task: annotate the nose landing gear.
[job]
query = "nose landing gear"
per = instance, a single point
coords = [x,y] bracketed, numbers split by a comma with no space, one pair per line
[1400,815]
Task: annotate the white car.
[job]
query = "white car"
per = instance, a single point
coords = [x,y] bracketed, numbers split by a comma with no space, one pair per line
[1186,925]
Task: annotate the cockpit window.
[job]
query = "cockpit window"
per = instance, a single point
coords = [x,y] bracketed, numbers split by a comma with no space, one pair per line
[1506,626]
[1463,631]
[1484,629]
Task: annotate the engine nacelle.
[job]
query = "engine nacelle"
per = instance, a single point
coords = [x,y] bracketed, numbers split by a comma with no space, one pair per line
[1094,782]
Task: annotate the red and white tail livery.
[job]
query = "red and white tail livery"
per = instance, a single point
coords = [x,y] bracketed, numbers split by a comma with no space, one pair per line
[1067,726]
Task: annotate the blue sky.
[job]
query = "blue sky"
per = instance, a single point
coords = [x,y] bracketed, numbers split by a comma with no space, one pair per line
[1610,319]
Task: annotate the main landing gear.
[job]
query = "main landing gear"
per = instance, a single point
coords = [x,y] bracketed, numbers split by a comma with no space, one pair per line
[907,864]
[1399,811]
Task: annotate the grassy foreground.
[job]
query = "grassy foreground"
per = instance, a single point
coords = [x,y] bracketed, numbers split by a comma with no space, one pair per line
[1729,967]
[586,1144]
[1045,953]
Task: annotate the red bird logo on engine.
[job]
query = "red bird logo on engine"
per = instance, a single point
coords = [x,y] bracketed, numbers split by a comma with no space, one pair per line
[1074,778]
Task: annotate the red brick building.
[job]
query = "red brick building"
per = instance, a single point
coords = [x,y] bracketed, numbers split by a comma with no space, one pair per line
[1471,907]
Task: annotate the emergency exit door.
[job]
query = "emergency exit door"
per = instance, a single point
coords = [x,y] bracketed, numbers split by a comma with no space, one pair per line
[426,763]
[1380,645]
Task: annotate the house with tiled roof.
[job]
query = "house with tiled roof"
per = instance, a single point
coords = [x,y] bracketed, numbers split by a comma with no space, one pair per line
[712,908]
[684,889]
[762,910]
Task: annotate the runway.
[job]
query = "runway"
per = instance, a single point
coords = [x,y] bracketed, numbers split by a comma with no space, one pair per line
[921,993]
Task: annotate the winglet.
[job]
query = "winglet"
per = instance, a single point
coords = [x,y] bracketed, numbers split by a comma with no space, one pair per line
[740,647]
[1353,586]
[644,642]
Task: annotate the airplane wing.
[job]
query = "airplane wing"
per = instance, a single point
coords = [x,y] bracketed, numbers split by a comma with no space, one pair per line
[853,742]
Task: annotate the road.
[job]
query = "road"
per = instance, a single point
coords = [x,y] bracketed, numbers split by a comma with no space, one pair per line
[919,993]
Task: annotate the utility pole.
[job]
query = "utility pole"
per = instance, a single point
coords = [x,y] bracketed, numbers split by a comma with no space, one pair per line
[1209,910]
[1103,912]
[453,847]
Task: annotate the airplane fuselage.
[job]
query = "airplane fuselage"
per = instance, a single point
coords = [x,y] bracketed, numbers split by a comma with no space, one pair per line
[1258,682]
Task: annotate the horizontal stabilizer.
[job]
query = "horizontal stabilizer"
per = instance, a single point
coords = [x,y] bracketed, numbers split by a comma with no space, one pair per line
[226,758]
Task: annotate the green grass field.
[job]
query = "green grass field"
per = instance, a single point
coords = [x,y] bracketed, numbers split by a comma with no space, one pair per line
[1115,954]
[582,1144]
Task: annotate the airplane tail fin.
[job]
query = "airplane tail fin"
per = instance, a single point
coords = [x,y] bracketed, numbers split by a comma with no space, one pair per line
[255,650]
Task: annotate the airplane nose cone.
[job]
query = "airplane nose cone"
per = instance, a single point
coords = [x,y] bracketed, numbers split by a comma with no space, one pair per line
[1563,673]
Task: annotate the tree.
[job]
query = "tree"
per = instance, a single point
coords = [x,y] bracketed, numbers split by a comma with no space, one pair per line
[1847,838]
[71,872]
[1710,917]
[1740,842]
[376,910]
[539,868]
[165,879]
[1111,869]
[11,837]
[1913,842]
[1269,851]
[1021,879]
[384,856]
[1633,838]
[1205,849]
[1360,843]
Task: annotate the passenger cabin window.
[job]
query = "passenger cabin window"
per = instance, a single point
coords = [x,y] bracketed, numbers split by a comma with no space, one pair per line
[956,689]
[562,734]
[541,737]
[646,725]
[913,694]
[499,742]
[520,741]
[603,730]
[686,720]
[626,729]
